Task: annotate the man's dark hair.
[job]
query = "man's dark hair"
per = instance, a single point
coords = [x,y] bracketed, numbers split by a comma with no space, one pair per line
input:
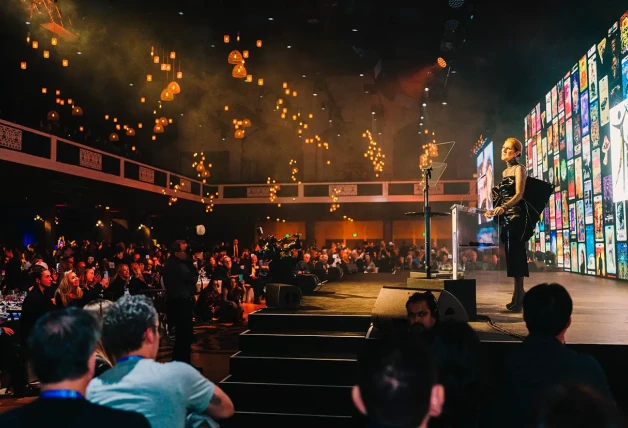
[61,344]
[177,246]
[546,309]
[428,298]
[396,383]
[572,405]
[125,323]
[36,273]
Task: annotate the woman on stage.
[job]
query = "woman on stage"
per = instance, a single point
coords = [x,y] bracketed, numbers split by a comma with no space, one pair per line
[514,219]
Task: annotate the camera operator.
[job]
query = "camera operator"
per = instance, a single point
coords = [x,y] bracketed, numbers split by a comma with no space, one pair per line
[180,277]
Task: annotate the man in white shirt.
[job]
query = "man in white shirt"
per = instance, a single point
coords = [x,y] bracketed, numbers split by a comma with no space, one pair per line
[167,394]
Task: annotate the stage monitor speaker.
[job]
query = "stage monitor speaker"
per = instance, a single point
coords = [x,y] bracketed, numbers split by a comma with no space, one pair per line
[283,296]
[390,306]
[351,268]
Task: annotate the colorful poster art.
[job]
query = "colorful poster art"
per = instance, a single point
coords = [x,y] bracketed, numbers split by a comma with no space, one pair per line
[604,101]
[561,132]
[582,66]
[611,267]
[600,264]
[565,209]
[584,110]
[542,241]
[588,202]
[620,215]
[579,182]
[593,88]
[553,242]
[624,76]
[575,93]
[572,220]
[597,171]
[555,140]
[590,250]
[607,198]
[557,172]
[566,250]
[561,96]
[595,124]
[574,256]
[548,107]
[622,260]
[598,220]
[577,135]
[560,251]
[538,118]
[571,180]
[554,102]
[567,91]
[623,32]
[606,148]
[580,218]
[552,208]
[544,152]
[615,64]
[586,157]
[569,138]
[601,50]
[530,158]
[619,153]
[582,258]
[559,211]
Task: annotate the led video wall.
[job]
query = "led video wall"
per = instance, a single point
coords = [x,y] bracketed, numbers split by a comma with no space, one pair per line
[485,164]
[577,139]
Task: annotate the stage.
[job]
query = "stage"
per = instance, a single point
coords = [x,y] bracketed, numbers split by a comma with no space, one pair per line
[600,314]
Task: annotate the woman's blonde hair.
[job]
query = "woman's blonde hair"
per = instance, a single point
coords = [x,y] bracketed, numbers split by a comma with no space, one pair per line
[66,289]
[99,308]
[516,144]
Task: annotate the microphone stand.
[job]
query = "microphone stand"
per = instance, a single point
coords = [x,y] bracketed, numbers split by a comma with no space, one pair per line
[427,175]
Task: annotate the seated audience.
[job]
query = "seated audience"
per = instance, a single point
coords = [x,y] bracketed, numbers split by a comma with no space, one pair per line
[543,359]
[397,387]
[38,302]
[164,393]
[93,285]
[69,293]
[62,356]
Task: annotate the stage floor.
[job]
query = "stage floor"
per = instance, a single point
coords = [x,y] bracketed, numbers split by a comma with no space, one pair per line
[600,314]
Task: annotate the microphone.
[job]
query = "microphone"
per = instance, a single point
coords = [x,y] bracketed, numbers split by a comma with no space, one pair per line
[471,189]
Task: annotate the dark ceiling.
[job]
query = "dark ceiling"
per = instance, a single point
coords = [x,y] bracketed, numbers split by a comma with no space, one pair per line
[518,47]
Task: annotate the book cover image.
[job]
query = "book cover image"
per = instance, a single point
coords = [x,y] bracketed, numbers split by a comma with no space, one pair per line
[611,264]
[600,264]
[598,222]
[574,257]
[567,250]
[622,260]
[590,242]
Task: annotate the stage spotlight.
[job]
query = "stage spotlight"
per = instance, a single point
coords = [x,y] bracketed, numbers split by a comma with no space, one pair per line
[441,62]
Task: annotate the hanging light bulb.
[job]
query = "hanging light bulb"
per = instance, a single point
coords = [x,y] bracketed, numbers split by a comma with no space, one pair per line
[140,125]
[245,54]
[260,82]
[154,137]
[35,44]
[149,77]
[44,90]
[156,59]
[65,62]
[173,55]
[23,65]
[225,38]
[249,78]
[167,95]
[174,87]
[143,99]
[46,54]
[54,41]
[258,43]
[179,75]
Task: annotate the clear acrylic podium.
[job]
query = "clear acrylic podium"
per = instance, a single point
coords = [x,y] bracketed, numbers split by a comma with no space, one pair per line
[475,242]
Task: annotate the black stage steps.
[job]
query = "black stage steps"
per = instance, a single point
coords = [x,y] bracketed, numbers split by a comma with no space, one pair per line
[295,369]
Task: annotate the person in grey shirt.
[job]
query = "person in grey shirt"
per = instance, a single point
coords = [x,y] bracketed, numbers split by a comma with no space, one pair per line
[169,395]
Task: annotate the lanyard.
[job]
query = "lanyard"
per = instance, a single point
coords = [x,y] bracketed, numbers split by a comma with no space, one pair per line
[61,393]
[131,358]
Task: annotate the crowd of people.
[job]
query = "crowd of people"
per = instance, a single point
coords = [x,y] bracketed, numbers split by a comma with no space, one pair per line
[91,327]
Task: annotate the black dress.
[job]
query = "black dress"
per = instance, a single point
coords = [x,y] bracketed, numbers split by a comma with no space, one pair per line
[516,227]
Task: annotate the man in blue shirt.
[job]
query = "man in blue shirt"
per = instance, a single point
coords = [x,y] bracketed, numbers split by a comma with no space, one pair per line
[62,355]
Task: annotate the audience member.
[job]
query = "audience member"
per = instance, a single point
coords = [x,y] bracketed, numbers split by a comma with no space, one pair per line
[164,393]
[38,301]
[99,308]
[62,357]
[423,315]
[543,359]
[397,387]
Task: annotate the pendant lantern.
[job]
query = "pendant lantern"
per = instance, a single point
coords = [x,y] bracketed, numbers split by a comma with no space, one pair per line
[174,87]
[77,111]
[235,57]
[245,54]
[167,95]
[258,43]
[239,133]
[52,115]
[130,132]
[158,129]
[114,137]
[179,75]
[163,121]
[46,54]
[246,123]
[239,72]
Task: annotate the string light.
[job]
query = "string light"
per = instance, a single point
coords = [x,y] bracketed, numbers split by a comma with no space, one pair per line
[374,153]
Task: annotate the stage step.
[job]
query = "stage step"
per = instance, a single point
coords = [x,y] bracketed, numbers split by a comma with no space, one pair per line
[291,398]
[301,369]
[280,420]
[266,343]
[280,320]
